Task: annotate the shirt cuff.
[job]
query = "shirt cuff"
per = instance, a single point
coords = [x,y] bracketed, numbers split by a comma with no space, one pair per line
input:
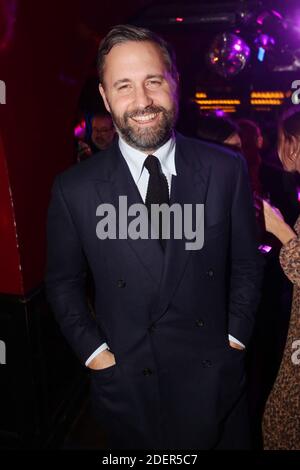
[101,348]
[234,340]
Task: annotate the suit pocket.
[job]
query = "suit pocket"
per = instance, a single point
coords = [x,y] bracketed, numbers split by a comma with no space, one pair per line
[103,375]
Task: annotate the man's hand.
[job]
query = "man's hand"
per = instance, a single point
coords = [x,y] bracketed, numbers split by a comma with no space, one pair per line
[103,360]
[236,346]
[84,150]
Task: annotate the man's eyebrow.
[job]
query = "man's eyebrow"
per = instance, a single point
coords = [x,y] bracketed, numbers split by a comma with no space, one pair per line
[157,75]
[148,77]
[122,80]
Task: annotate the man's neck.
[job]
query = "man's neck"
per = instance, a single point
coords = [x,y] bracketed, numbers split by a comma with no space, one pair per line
[148,151]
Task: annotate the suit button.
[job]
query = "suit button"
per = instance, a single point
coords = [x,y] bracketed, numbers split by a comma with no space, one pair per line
[147,371]
[121,283]
[152,328]
[206,363]
[210,273]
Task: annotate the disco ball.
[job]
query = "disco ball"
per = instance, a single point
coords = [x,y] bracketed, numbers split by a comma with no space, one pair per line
[228,54]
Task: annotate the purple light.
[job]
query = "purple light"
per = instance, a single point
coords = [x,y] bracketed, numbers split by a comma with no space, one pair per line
[298,194]
[237,47]
[264,248]
[276,13]
[79,130]
[260,18]
[265,41]
[268,14]
[219,112]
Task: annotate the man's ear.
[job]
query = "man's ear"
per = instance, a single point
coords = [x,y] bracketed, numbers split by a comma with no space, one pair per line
[295,148]
[102,93]
[176,81]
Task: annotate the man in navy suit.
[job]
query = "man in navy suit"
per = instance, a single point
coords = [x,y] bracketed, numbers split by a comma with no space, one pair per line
[166,345]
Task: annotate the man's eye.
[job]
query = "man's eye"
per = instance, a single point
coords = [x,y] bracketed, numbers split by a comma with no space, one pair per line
[154,83]
[123,87]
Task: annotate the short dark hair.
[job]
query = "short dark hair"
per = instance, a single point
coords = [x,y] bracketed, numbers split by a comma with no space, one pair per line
[125,33]
[215,128]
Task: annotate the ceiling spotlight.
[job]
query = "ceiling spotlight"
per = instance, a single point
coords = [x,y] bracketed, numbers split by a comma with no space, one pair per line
[266,16]
[264,43]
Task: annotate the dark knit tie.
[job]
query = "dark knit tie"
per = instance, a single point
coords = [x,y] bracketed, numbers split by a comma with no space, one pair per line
[158,190]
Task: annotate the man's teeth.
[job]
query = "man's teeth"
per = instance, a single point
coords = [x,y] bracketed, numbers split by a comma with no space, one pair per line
[146,117]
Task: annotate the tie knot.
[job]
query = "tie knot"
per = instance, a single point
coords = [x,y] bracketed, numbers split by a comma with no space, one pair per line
[152,164]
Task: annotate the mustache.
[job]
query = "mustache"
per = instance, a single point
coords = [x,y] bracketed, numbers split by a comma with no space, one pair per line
[143,112]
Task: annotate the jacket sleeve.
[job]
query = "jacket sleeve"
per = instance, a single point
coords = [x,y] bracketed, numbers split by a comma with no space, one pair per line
[246,260]
[66,279]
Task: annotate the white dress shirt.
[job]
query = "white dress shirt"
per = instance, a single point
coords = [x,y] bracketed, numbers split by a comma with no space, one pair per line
[135,160]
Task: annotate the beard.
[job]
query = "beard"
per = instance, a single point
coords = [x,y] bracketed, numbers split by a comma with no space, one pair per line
[151,137]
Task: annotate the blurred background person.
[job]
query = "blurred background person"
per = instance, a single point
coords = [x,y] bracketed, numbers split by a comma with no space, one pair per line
[246,140]
[281,421]
[219,129]
[99,135]
[252,142]
[266,348]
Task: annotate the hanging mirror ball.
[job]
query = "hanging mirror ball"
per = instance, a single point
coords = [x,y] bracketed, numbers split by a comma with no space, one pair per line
[228,54]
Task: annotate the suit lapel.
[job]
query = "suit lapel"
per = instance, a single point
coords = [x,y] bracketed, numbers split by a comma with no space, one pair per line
[188,187]
[117,181]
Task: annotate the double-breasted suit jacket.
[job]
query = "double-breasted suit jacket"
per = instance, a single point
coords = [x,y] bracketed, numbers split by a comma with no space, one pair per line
[166,316]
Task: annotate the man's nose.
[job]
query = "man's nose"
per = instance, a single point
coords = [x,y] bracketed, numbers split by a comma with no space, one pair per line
[142,97]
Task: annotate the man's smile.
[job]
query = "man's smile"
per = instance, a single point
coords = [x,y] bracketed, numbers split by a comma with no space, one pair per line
[145,118]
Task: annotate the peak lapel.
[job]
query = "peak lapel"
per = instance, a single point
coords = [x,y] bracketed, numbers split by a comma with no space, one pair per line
[115,182]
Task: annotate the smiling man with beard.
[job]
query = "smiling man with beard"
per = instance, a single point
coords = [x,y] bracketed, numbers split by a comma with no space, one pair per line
[140,92]
[166,346]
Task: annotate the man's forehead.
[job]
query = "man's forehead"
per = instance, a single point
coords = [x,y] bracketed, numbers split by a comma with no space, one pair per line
[131,53]
[131,46]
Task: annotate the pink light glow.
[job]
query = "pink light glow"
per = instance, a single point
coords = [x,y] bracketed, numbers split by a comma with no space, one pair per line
[264,248]
[79,130]
[8,13]
[277,14]
[179,19]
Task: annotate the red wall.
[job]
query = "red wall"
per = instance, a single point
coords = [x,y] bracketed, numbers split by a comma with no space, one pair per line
[46,52]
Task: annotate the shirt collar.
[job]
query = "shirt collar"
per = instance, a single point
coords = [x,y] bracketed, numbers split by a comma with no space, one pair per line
[135,158]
